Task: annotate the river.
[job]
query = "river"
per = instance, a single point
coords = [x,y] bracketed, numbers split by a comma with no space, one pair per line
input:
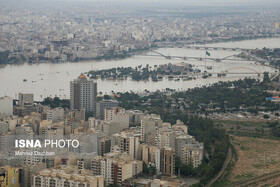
[50,80]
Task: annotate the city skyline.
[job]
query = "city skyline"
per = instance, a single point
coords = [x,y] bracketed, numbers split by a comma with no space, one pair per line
[139,93]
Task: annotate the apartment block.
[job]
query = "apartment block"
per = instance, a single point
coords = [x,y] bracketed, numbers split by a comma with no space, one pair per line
[192,154]
[167,158]
[67,176]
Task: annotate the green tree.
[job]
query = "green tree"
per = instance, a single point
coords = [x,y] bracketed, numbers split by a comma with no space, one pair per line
[266,78]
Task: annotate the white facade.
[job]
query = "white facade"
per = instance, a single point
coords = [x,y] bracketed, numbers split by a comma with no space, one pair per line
[6,105]
[55,114]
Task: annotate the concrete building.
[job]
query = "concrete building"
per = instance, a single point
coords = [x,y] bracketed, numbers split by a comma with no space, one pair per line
[110,128]
[67,176]
[22,111]
[88,142]
[83,93]
[135,117]
[28,172]
[166,139]
[55,115]
[25,99]
[25,105]
[10,122]
[116,114]
[116,167]
[127,142]
[149,126]
[77,115]
[181,140]
[192,154]
[95,123]
[6,105]
[151,156]
[104,145]
[111,113]
[4,127]
[167,158]
[43,127]
[102,105]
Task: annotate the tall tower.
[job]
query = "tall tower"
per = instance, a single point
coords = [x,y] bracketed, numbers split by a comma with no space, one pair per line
[83,93]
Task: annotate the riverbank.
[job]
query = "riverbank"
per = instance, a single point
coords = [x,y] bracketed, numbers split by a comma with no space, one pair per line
[111,56]
[107,56]
[41,77]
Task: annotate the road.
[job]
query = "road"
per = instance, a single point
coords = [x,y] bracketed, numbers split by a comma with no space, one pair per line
[221,172]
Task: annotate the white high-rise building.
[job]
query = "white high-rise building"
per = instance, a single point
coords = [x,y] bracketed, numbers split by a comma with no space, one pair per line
[83,93]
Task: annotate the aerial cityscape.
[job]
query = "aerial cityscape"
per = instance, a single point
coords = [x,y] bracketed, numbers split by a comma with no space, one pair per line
[120,93]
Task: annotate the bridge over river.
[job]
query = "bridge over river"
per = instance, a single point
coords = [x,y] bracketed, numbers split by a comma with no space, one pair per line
[228,58]
[207,48]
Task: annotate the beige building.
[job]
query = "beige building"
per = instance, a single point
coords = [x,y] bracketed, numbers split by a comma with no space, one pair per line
[151,156]
[135,117]
[67,176]
[76,115]
[108,127]
[118,115]
[102,105]
[104,145]
[111,113]
[127,142]
[149,126]
[116,167]
[55,115]
[43,127]
[167,158]
[192,154]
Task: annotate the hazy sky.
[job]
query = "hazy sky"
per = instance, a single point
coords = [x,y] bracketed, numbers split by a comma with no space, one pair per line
[194,2]
[260,3]
[186,2]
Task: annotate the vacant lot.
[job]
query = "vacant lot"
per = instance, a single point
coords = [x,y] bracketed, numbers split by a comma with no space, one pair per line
[256,156]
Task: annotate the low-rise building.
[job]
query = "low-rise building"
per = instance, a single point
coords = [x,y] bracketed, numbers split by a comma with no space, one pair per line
[67,176]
